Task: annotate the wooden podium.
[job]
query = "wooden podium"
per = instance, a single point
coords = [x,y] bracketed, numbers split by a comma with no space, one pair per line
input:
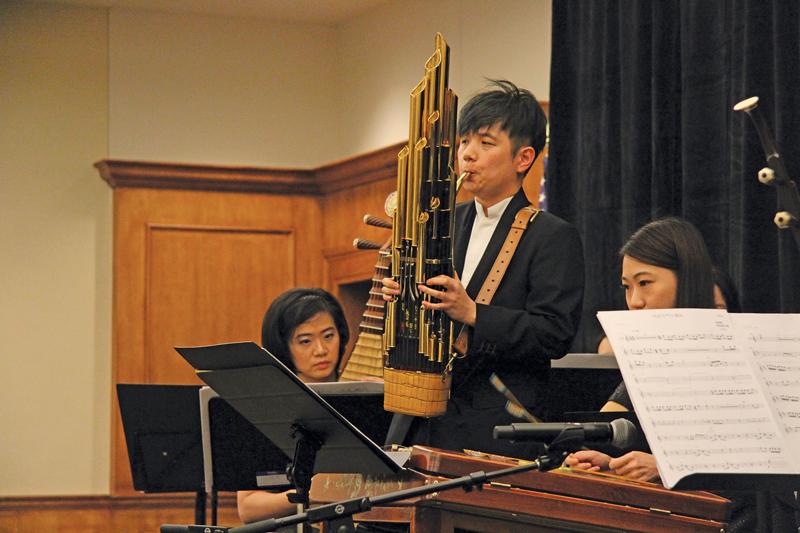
[533,501]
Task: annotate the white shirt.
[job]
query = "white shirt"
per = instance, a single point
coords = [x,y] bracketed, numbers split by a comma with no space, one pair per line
[482,230]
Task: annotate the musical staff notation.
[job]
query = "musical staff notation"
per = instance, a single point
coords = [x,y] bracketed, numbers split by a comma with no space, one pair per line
[690,393]
[672,337]
[695,378]
[757,466]
[679,407]
[715,437]
[684,363]
[715,392]
[761,354]
[722,450]
[773,338]
[682,422]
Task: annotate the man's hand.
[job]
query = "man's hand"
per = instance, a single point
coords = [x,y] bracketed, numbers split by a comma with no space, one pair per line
[453,300]
[390,289]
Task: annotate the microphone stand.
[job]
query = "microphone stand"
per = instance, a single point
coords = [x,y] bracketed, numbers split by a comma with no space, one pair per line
[338,516]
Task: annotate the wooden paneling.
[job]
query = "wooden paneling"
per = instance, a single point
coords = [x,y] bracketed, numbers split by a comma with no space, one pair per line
[204,177]
[104,514]
[197,267]
[208,285]
[378,165]
[344,214]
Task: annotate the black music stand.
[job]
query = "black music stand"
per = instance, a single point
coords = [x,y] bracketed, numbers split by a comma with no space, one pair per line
[162,433]
[237,456]
[289,413]
[580,382]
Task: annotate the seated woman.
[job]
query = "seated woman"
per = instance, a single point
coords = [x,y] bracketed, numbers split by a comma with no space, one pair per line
[665,264]
[725,297]
[307,330]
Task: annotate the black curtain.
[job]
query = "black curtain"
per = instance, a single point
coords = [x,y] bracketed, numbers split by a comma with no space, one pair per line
[642,127]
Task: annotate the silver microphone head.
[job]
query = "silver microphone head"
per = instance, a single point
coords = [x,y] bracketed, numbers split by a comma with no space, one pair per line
[623,432]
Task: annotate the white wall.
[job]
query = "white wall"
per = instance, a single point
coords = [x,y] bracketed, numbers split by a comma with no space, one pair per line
[55,272]
[82,84]
[194,88]
[383,53]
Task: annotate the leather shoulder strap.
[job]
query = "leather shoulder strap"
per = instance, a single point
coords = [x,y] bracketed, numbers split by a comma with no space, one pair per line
[524,217]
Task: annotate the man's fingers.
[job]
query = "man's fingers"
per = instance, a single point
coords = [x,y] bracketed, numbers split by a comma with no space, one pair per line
[430,291]
[389,283]
[442,281]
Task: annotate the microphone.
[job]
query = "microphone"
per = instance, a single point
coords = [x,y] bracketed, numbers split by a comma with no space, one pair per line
[620,432]
[176,528]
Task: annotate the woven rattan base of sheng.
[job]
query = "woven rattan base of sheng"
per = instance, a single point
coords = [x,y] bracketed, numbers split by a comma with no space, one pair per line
[415,393]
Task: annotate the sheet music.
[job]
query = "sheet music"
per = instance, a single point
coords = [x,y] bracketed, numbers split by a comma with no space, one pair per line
[702,407]
[774,341]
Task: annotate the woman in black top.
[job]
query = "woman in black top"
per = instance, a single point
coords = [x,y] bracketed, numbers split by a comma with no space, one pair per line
[307,330]
[665,264]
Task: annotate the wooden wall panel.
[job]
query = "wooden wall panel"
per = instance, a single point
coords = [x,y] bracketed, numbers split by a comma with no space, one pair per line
[208,285]
[344,213]
[197,267]
[104,514]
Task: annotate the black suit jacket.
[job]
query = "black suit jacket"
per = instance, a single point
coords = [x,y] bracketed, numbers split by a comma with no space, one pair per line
[531,319]
[535,312]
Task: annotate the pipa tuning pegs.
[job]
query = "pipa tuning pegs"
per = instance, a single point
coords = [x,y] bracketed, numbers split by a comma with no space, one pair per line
[362,244]
[370,220]
[766,175]
[784,220]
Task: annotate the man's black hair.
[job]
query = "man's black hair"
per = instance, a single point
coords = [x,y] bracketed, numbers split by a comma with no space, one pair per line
[516,110]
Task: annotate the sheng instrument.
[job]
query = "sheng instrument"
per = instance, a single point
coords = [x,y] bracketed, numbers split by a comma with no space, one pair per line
[418,343]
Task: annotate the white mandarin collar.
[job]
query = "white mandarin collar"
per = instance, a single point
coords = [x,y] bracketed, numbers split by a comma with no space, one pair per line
[494,212]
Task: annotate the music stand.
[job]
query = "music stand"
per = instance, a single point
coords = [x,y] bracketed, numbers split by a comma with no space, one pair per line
[236,456]
[580,381]
[290,414]
[162,433]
